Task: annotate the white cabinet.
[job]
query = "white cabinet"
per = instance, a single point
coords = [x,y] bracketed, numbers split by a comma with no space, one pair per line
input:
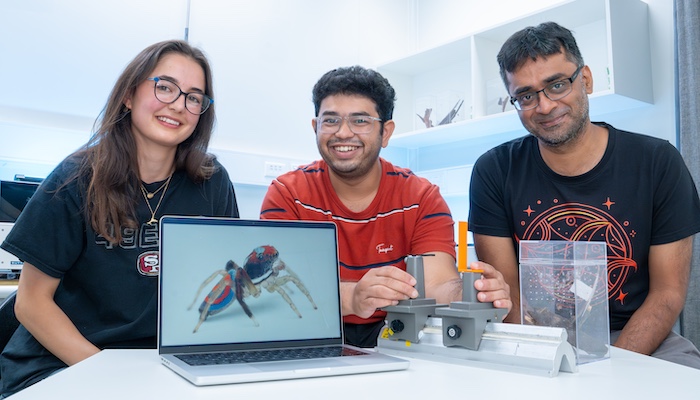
[613,37]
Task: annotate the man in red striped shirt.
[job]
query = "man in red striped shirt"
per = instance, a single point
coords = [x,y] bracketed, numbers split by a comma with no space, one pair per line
[383,212]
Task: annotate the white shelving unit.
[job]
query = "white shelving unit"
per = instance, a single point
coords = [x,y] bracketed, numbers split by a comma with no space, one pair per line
[613,36]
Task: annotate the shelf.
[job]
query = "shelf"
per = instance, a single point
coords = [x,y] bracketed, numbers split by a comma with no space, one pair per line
[613,38]
[601,103]
[457,131]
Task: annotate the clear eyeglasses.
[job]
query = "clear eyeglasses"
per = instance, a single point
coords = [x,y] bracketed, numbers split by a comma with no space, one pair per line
[168,92]
[554,91]
[358,124]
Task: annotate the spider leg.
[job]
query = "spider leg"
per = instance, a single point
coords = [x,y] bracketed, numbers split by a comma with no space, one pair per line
[205,283]
[293,277]
[210,299]
[202,316]
[277,287]
[245,286]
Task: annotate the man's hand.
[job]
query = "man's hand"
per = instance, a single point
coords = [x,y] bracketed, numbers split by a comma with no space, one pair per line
[492,287]
[379,287]
[386,286]
[499,253]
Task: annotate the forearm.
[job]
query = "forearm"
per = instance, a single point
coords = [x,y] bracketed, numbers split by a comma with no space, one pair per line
[669,272]
[55,331]
[514,314]
[651,323]
[442,282]
[446,292]
[36,309]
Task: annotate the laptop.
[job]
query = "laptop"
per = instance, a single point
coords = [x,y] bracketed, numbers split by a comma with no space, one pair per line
[266,293]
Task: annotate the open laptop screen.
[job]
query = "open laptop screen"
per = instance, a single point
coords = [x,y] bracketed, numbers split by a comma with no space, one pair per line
[197,254]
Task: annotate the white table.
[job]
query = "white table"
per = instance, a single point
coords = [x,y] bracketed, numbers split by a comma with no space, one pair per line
[138,374]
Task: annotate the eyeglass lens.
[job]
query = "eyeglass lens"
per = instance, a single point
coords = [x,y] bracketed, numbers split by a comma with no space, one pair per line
[358,124]
[554,91]
[168,92]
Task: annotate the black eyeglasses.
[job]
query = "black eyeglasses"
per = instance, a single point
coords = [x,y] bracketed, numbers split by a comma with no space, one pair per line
[168,92]
[554,91]
[358,124]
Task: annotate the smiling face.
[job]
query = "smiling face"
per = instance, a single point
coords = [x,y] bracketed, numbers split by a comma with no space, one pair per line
[351,156]
[553,123]
[156,124]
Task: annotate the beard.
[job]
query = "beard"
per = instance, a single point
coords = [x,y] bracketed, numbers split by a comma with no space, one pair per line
[561,135]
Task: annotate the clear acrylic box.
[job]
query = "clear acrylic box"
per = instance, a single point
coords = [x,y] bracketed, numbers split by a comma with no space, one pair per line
[565,284]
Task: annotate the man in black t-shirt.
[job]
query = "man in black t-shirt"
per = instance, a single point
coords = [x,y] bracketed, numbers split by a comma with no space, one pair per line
[572,179]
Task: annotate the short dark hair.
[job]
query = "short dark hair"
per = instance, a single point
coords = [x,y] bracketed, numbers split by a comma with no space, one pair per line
[357,80]
[543,40]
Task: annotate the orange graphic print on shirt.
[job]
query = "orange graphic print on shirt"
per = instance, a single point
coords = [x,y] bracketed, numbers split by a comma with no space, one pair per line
[581,222]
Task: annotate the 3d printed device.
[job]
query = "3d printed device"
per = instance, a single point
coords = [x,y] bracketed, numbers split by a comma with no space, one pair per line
[470,332]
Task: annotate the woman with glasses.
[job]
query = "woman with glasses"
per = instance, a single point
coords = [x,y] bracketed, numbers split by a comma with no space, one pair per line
[89,237]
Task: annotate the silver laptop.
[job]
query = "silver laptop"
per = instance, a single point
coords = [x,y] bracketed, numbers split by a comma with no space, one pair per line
[254,300]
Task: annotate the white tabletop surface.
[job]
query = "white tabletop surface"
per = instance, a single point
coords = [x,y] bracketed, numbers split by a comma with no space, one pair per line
[138,374]
[6,290]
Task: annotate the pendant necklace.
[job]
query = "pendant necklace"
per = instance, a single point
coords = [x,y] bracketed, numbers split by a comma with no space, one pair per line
[149,195]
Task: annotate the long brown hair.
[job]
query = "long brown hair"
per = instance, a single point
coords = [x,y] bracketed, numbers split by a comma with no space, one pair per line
[108,163]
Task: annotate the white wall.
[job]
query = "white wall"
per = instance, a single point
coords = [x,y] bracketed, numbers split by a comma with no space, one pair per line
[266,56]
[60,60]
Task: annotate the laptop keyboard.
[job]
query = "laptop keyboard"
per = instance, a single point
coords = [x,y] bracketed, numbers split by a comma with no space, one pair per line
[240,357]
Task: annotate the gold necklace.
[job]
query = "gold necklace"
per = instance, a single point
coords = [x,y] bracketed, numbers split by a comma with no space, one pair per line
[147,196]
[151,194]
